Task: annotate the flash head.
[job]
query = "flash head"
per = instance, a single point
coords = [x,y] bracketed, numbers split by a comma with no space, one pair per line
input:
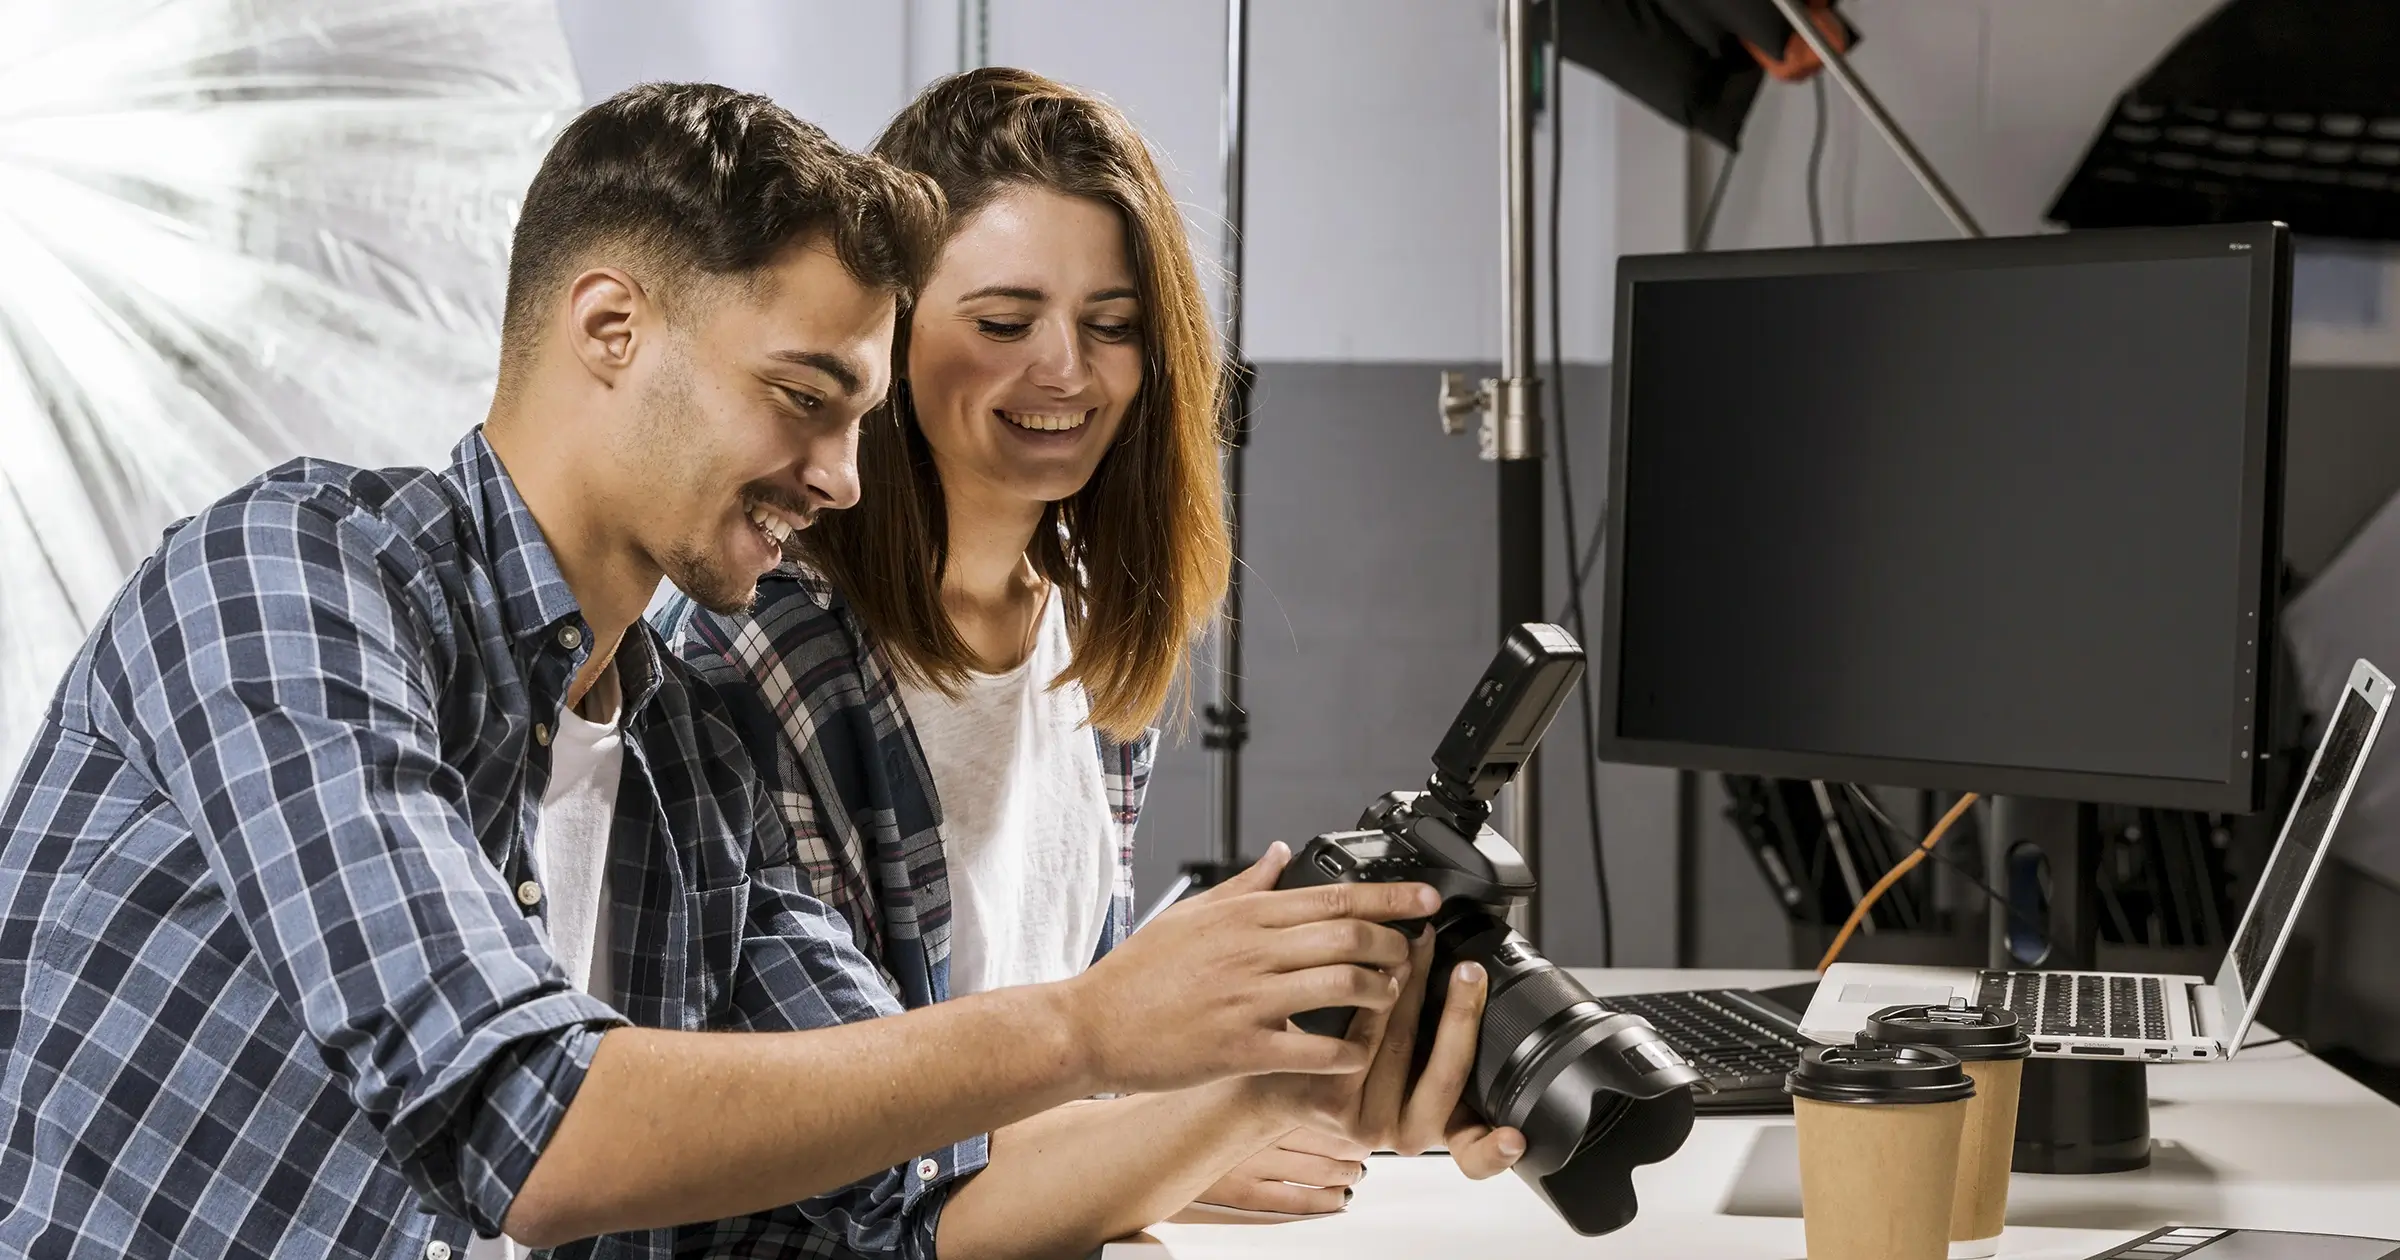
[1505,717]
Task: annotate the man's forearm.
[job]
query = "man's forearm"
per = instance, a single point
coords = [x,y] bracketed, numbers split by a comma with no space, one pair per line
[674,1127]
[1065,1181]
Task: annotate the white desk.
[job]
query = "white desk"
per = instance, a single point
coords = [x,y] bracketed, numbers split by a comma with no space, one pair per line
[2275,1140]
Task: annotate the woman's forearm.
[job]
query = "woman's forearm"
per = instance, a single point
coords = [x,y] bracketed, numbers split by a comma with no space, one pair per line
[1070,1179]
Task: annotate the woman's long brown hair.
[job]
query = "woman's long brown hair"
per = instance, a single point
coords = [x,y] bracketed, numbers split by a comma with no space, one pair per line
[1140,553]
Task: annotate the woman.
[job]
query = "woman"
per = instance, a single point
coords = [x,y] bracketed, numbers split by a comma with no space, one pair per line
[955,683]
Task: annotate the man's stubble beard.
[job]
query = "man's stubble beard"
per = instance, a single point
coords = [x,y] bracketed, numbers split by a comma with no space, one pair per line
[675,424]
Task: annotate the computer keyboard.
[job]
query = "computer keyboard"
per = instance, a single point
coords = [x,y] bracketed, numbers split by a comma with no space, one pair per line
[2058,1004]
[1742,1042]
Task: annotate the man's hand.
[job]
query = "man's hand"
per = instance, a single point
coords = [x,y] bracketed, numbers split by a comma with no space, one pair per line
[1207,990]
[1380,1109]
[1304,1172]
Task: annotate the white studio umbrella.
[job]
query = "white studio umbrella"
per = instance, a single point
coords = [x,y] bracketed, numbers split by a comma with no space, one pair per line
[231,232]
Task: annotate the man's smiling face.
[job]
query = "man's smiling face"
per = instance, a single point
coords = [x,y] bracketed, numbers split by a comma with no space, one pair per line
[750,419]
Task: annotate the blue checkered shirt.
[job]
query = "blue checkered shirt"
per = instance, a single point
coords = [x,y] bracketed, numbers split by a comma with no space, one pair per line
[819,706]
[267,987]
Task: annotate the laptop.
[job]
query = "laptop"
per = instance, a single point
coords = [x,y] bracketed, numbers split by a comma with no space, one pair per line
[2147,1017]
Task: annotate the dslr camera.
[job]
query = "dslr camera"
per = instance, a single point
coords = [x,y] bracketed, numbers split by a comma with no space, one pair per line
[1596,1093]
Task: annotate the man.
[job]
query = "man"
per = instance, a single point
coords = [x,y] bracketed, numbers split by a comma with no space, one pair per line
[369,779]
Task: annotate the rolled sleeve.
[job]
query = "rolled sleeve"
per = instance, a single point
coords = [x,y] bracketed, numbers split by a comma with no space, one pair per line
[281,677]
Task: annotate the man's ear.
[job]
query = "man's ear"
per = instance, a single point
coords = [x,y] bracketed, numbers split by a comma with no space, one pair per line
[610,317]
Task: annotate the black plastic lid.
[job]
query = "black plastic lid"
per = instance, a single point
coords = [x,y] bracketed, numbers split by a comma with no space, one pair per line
[1879,1074]
[1977,1034]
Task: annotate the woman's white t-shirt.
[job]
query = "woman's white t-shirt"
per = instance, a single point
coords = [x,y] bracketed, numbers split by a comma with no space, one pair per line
[1026,829]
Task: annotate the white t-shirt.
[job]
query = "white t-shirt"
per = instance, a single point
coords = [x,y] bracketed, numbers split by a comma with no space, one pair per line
[570,855]
[1026,830]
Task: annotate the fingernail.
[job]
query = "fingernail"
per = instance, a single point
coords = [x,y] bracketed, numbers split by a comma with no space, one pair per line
[1469,973]
[1512,1145]
[1347,1195]
[1278,849]
[1362,1174]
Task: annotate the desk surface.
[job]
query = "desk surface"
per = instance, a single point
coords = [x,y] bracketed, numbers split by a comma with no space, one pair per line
[2273,1140]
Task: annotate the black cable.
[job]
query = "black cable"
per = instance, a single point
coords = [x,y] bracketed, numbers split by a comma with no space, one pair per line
[1716,202]
[1816,167]
[2023,917]
[1566,496]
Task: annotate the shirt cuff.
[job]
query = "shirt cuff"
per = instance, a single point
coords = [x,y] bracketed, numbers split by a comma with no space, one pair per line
[930,1183]
[471,1135]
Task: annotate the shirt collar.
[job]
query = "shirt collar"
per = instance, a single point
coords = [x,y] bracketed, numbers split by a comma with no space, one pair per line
[533,596]
[534,599]
[813,584]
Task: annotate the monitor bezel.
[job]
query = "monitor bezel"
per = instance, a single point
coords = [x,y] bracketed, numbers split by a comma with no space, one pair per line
[2241,788]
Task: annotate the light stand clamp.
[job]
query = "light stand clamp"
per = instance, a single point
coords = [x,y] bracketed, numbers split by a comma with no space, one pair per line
[1510,411]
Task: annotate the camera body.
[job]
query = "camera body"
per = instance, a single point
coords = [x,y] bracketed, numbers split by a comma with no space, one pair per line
[1596,1093]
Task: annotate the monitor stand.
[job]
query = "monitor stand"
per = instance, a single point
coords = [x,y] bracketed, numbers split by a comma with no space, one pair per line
[2073,1117]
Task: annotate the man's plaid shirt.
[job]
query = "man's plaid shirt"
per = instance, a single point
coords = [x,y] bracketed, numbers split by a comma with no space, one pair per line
[266,984]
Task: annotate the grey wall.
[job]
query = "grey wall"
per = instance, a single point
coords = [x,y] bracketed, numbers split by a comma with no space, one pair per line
[1372,604]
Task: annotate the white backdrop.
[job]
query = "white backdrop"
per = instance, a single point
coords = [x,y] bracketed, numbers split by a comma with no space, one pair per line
[232,231]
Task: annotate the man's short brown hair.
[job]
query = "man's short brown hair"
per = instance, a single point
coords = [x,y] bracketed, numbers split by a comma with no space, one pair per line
[696,180]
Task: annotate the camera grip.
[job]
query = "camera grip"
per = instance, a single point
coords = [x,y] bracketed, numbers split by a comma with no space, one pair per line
[1334,1021]
[1320,862]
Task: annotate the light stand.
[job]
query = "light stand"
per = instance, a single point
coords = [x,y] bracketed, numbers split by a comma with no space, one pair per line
[1511,410]
[1225,724]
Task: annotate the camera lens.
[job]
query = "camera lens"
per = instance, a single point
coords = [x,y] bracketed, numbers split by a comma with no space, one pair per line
[1554,1063]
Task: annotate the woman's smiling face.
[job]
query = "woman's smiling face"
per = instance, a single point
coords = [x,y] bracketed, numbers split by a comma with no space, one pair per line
[1025,348]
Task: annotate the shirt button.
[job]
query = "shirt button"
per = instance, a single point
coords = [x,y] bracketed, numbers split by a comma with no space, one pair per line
[529,893]
[570,638]
[541,734]
[928,1169]
[437,1250]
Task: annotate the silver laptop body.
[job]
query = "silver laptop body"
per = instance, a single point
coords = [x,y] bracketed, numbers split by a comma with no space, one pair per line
[2149,1017]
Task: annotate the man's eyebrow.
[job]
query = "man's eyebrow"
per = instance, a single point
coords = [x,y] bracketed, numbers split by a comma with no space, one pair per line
[845,372]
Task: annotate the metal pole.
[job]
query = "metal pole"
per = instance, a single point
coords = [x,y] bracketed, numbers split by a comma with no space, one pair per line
[1516,409]
[1839,67]
[1228,723]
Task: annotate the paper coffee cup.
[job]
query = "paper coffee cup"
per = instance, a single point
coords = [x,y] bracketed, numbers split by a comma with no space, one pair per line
[1987,1040]
[1879,1144]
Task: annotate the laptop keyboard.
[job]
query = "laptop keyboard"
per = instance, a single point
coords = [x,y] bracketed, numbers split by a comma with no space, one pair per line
[2057,1004]
[1737,1045]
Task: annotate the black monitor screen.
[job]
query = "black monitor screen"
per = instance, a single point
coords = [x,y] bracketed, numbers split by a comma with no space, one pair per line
[1986,517]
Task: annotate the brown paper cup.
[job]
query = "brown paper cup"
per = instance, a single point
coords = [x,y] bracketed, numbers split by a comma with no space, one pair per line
[1986,1145]
[1877,1179]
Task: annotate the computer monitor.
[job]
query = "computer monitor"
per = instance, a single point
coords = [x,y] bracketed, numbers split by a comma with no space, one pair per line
[1994,515]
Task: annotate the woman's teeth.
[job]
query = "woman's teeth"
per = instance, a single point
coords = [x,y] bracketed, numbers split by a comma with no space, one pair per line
[770,525]
[1042,423]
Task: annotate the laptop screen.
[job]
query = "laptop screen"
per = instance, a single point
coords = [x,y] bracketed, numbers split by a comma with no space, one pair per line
[2294,862]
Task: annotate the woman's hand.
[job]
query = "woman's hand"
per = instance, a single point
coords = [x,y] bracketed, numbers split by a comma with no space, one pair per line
[1304,1172]
[1380,1109]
